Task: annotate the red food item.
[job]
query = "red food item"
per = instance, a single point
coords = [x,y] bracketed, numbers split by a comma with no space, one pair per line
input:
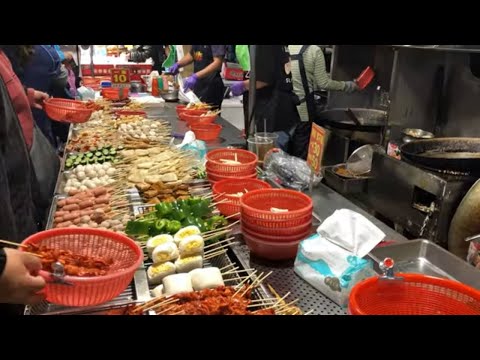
[74,264]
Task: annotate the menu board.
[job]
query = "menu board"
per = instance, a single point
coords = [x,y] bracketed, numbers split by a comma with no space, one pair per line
[318,138]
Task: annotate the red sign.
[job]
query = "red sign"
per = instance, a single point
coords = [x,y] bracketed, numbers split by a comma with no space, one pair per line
[120,78]
[316,147]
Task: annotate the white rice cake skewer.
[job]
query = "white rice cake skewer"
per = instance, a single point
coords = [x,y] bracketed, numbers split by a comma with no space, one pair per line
[177,283]
[207,278]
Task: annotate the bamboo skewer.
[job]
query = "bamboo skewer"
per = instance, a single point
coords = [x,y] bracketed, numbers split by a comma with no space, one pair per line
[240,285]
[210,256]
[14,244]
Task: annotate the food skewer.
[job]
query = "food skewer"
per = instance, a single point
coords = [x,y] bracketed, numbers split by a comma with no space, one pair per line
[6,242]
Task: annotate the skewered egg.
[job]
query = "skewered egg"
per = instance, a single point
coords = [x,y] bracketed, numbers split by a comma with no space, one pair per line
[191,245]
[157,272]
[188,264]
[165,252]
[186,232]
[153,242]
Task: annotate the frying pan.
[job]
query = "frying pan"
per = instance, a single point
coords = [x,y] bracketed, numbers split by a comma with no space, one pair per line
[452,154]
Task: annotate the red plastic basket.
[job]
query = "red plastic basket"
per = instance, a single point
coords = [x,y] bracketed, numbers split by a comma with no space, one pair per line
[199,120]
[65,110]
[277,238]
[247,159]
[206,132]
[365,78]
[232,186]
[186,113]
[257,204]
[286,232]
[88,291]
[215,177]
[271,250]
[115,93]
[415,295]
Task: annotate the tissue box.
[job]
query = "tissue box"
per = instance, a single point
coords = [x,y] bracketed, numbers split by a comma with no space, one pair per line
[331,269]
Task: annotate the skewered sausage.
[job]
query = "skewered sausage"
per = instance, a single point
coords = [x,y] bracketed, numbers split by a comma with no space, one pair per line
[86,203]
[71,207]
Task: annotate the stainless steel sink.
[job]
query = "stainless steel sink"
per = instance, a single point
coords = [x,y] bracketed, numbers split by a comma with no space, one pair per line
[425,257]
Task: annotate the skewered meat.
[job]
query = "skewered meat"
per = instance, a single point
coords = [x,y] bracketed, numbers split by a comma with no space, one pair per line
[74,264]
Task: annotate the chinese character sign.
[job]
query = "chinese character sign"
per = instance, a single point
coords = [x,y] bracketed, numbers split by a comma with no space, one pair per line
[316,147]
[120,78]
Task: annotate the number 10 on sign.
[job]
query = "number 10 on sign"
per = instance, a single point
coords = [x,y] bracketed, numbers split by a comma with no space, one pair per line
[120,78]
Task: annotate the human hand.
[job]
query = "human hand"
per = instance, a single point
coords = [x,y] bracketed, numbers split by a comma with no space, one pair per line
[237,88]
[175,69]
[39,97]
[190,82]
[351,86]
[19,282]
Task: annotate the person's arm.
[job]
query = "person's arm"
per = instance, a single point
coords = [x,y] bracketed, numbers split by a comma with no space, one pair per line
[321,79]
[186,60]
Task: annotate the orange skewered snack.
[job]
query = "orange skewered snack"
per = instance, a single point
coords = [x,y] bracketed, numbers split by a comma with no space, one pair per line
[223,300]
[74,264]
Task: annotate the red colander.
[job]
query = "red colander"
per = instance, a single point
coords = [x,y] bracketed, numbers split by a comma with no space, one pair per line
[414,295]
[365,78]
[247,159]
[89,291]
[115,94]
[229,204]
[65,110]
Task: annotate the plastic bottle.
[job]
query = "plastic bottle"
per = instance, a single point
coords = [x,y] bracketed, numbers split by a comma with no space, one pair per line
[155,87]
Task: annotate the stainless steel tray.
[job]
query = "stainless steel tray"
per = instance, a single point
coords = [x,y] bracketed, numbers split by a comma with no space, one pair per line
[425,257]
[53,209]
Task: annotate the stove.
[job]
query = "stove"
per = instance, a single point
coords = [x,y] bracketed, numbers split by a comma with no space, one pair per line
[418,202]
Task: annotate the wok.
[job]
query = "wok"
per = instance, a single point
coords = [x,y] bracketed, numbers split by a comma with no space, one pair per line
[452,154]
[369,119]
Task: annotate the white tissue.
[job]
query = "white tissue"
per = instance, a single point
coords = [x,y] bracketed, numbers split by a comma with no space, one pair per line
[351,231]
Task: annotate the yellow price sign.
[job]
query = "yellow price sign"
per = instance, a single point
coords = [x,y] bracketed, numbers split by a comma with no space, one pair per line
[316,147]
[120,78]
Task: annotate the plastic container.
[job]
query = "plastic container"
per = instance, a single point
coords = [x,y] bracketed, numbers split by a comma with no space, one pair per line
[232,186]
[415,295]
[89,291]
[257,204]
[206,132]
[271,250]
[247,159]
[64,110]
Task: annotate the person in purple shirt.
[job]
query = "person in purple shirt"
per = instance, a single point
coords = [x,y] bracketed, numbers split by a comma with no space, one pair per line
[205,81]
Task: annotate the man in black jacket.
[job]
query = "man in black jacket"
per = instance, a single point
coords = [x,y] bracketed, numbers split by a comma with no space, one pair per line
[17,212]
[142,52]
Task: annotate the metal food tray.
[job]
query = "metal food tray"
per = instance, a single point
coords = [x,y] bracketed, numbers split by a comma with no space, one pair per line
[344,185]
[425,257]
[53,209]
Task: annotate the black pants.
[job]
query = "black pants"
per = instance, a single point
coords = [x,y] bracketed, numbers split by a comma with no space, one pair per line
[301,139]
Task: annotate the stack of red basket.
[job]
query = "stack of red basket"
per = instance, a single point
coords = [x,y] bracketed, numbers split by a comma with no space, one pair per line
[274,221]
[231,164]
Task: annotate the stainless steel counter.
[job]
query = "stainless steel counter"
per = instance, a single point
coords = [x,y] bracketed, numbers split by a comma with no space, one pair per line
[283,278]
[230,135]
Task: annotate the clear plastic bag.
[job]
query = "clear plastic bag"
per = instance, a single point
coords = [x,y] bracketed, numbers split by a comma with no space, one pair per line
[289,171]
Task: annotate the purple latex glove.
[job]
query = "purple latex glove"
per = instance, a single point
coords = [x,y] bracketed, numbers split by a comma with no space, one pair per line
[190,82]
[174,69]
[237,88]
